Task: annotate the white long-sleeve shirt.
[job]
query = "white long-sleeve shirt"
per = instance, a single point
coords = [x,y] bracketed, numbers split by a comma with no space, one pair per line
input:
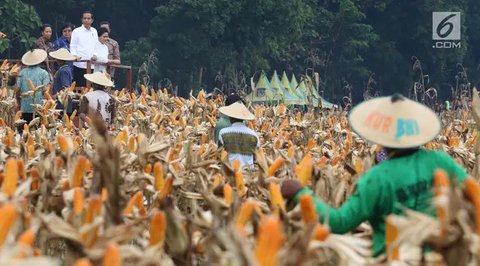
[83,43]
[101,51]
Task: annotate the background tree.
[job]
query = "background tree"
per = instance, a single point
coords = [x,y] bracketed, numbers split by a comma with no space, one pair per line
[19,21]
[208,43]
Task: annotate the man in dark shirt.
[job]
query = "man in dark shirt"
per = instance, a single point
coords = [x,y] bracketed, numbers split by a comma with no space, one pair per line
[63,78]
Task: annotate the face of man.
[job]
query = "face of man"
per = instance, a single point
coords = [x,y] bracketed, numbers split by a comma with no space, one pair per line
[87,20]
[106,26]
[67,33]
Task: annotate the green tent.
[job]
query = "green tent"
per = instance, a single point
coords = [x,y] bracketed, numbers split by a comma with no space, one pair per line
[291,98]
[263,92]
[278,86]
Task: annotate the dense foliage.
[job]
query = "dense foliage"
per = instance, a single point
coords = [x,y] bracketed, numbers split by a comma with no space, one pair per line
[207,43]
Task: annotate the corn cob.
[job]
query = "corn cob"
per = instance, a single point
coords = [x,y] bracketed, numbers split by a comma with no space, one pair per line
[112,256]
[304,170]
[276,196]
[308,209]
[158,225]
[79,171]
[9,185]
[275,166]
[8,212]
[269,240]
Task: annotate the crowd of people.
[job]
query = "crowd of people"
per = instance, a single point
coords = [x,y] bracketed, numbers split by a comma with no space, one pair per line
[85,43]
[63,61]
[404,127]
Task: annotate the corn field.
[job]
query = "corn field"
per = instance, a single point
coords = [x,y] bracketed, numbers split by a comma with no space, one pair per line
[155,190]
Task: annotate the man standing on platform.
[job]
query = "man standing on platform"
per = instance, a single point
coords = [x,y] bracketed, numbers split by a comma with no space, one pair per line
[82,45]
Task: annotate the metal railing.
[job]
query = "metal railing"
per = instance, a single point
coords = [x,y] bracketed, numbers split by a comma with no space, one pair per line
[128,85]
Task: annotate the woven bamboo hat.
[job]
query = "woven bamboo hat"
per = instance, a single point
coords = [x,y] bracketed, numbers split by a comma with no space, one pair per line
[34,57]
[237,110]
[62,54]
[99,78]
[395,122]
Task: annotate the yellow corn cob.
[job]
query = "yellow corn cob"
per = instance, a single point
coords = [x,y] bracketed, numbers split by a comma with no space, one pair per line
[167,187]
[269,240]
[104,194]
[9,185]
[112,256]
[245,213]
[227,193]
[304,169]
[308,209]
[147,169]
[158,175]
[78,201]
[30,85]
[83,262]
[131,144]
[4,64]
[276,198]
[239,183]
[79,171]
[21,169]
[158,226]
[72,116]
[136,200]
[8,212]
[275,166]
[391,234]
[64,143]
[321,232]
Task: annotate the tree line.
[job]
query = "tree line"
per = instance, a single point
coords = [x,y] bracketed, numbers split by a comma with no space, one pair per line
[378,46]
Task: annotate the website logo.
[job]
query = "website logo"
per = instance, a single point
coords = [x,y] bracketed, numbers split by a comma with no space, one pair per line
[446,30]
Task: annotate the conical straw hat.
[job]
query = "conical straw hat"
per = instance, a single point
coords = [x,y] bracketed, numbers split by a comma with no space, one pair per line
[62,54]
[237,110]
[99,78]
[34,57]
[395,122]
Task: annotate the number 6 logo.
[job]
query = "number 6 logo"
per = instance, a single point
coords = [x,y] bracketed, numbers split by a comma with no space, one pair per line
[446,25]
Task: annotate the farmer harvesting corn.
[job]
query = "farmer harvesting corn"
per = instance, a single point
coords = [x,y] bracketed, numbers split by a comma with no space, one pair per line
[31,82]
[224,120]
[63,77]
[239,141]
[403,180]
[98,99]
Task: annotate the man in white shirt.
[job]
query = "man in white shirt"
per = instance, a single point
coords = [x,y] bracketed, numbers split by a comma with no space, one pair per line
[82,45]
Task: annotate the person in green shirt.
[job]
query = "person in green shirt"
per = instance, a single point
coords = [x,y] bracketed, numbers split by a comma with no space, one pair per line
[403,180]
[39,77]
[225,120]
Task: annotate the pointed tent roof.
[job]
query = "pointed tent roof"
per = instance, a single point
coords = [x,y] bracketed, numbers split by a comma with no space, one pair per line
[294,82]
[268,96]
[286,84]
[277,85]
[291,98]
[299,90]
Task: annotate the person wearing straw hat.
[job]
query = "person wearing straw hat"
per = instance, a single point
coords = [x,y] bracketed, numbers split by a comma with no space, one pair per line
[39,77]
[63,77]
[238,140]
[404,179]
[98,99]
[225,120]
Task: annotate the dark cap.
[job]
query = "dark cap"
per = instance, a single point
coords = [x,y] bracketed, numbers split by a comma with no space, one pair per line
[233,98]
